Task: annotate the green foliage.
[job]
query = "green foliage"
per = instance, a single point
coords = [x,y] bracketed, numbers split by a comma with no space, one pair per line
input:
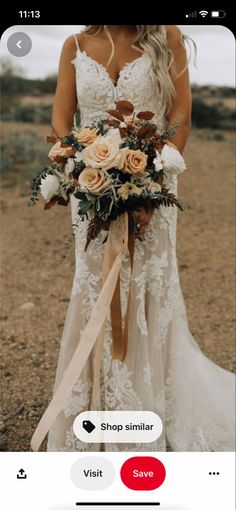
[23,152]
[37,114]
[213,116]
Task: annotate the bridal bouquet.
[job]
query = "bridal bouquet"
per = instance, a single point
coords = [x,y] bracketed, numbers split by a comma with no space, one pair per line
[113,166]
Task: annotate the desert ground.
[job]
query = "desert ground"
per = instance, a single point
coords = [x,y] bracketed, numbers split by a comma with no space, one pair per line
[36,286]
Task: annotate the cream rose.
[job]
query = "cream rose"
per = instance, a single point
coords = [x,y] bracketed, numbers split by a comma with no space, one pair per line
[94,180]
[135,162]
[87,136]
[104,153]
[172,160]
[58,150]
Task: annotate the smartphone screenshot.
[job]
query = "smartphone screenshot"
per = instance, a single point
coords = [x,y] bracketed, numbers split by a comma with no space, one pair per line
[117,262]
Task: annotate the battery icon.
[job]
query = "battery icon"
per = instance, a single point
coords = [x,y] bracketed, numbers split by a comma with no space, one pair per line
[218,14]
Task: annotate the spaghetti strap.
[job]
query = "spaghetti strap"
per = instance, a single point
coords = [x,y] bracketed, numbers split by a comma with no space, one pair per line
[76,42]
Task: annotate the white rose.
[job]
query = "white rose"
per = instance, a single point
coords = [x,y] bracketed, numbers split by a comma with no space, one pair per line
[172,160]
[49,187]
[158,162]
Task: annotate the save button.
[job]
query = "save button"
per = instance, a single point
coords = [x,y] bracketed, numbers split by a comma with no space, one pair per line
[143,473]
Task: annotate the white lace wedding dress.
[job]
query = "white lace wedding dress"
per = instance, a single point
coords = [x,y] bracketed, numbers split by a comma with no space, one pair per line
[164,370]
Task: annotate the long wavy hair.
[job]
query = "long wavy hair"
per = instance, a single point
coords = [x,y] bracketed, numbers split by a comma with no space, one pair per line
[152,40]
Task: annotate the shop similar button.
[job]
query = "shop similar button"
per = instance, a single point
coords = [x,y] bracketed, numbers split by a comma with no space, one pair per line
[117,426]
[143,473]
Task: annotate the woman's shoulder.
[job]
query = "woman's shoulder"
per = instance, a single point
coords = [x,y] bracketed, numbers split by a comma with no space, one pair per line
[173,33]
[74,40]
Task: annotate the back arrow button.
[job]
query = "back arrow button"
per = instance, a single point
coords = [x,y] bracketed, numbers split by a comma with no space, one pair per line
[19,44]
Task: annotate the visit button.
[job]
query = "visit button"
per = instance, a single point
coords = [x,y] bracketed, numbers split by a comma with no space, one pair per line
[143,473]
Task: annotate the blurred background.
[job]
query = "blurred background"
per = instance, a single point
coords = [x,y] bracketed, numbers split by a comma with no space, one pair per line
[36,285]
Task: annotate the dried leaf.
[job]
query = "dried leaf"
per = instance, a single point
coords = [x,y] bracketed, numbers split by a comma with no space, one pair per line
[65,145]
[62,201]
[123,132]
[116,114]
[114,122]
[51,139]
[125,107]
[50,204]
[58,159]
[146,131]
[145,115]
[94,228]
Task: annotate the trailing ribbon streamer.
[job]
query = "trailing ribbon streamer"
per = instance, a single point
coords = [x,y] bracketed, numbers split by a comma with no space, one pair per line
[119,338]
[116,245]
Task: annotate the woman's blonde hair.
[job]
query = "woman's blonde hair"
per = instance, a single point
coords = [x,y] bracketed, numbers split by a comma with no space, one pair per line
[152,40]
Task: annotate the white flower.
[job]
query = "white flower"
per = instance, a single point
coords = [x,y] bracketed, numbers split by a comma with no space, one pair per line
[78,156]
[154,187]
[69,167]
[49,187]
[114,134]
[172,160]
[158,162]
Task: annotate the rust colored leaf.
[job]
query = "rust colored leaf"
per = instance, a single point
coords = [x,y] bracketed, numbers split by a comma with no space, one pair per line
[145,115]
[123,132]
[116,114]
[114,122]
[58,159]
[50,204]
[51,139]
[62,201]
[125,107]
[146,131]
[65,145]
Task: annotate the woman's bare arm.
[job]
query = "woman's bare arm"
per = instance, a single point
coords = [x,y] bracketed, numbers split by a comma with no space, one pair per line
[65,101]
[181,107]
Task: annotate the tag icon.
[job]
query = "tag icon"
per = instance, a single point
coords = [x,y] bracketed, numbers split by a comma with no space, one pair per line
[88,426]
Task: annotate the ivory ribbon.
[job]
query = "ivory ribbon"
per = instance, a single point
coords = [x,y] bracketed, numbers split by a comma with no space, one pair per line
[119,338]
[115,247]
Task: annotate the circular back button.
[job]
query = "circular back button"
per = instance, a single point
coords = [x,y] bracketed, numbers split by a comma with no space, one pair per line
[143,473]
[19,44]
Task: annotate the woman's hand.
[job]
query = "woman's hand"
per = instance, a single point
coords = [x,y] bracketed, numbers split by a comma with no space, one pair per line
[142,219]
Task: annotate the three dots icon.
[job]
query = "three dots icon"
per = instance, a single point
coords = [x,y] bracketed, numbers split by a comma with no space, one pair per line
[214,473]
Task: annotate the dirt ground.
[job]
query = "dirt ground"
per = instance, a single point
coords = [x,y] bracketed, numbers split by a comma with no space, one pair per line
[36,286]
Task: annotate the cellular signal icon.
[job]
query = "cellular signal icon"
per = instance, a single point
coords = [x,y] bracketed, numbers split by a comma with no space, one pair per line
[191,15]
[203,13]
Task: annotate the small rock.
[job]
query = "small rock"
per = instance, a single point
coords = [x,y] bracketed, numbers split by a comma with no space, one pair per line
[27,306]
[3,447]
[3,428]
[35,405]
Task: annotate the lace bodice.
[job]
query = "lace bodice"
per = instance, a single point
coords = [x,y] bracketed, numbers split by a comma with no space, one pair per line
[96,91]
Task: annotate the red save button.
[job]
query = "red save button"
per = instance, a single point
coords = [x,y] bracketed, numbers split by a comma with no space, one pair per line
[142,473]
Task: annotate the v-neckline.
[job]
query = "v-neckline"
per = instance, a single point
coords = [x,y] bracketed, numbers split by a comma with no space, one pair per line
[103,68]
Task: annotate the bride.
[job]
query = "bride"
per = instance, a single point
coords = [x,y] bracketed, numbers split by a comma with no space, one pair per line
[164,370]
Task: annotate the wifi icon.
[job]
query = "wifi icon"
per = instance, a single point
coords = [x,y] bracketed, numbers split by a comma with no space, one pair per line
[203,13]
